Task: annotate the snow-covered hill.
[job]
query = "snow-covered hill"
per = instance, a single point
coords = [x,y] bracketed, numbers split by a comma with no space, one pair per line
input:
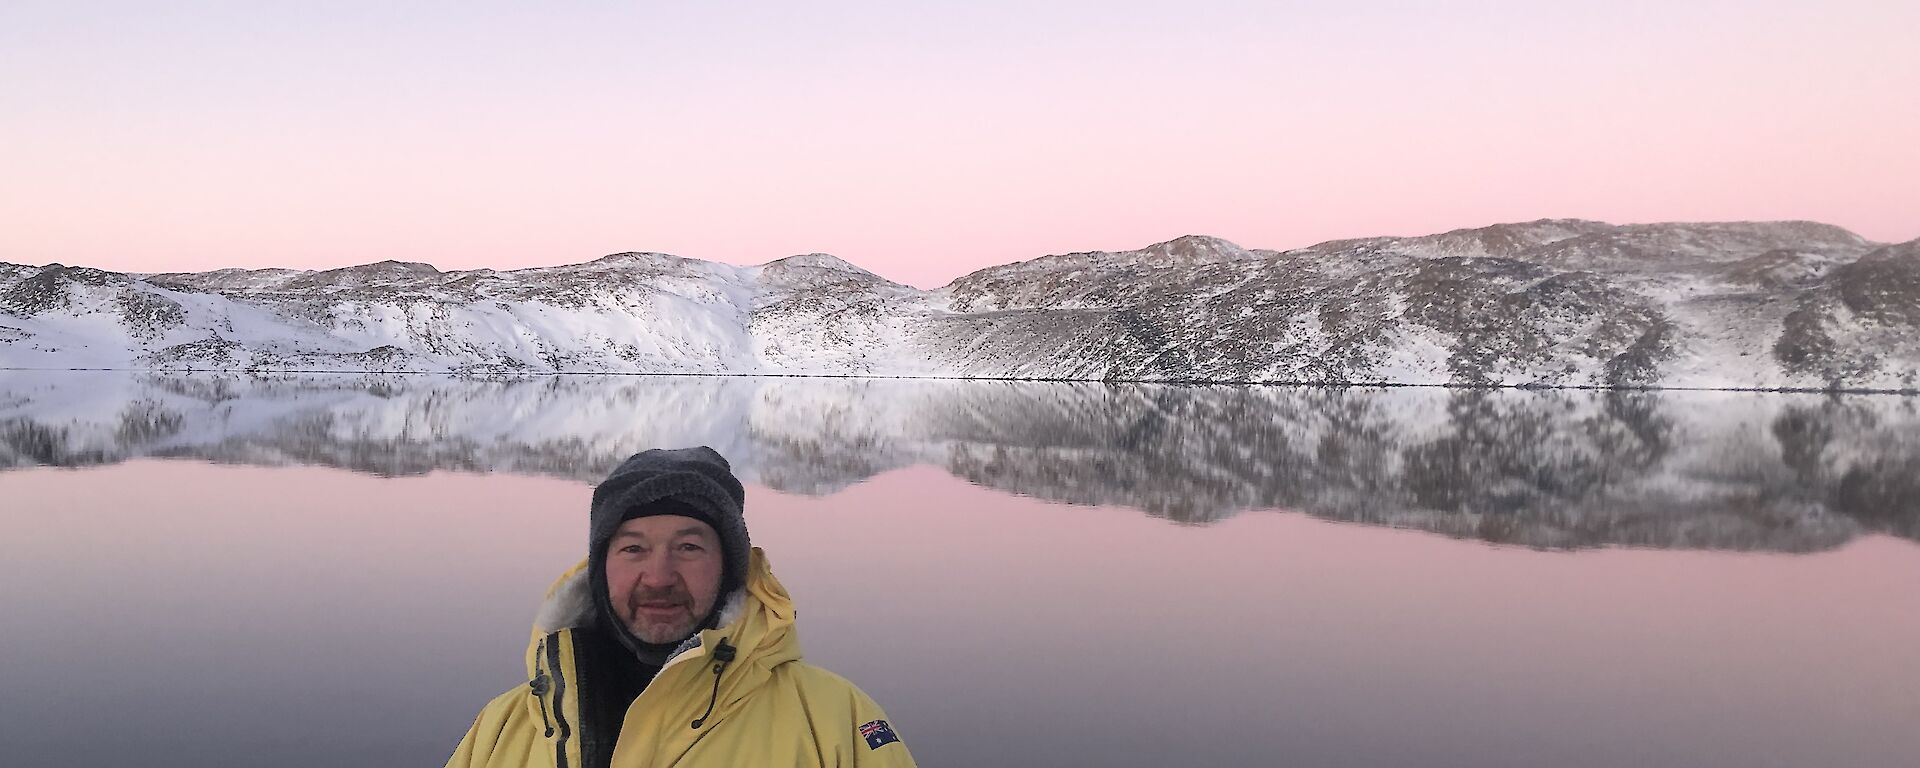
[1546,303]
[1554,469]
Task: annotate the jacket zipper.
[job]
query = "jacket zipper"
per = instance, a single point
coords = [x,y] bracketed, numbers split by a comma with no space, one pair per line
[559,700]
[540,685]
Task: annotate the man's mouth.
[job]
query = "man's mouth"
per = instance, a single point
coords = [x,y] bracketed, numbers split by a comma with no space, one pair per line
[659,608]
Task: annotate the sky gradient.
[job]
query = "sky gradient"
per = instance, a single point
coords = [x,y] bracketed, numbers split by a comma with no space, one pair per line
[924,141]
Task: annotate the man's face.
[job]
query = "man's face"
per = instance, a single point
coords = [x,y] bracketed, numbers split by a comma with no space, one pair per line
[663,576]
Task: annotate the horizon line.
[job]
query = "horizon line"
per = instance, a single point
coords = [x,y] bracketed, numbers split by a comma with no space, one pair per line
[950,281]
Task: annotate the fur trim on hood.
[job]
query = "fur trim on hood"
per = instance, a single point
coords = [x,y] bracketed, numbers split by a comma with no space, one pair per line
[570,606]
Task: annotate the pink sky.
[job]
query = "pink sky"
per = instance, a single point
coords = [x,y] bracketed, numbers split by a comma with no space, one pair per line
[925,142]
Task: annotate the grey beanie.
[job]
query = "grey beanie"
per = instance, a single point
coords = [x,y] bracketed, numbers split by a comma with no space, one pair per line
[696,482]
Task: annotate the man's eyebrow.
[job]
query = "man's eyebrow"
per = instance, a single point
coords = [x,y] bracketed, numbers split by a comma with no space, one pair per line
[692,530]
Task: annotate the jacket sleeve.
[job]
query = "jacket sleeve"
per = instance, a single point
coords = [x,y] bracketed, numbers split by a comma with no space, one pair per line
[872,740]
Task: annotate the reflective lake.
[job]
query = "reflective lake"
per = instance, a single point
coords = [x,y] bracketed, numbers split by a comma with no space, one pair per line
[340,570]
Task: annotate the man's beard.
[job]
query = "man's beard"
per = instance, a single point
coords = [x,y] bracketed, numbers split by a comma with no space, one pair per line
[673,628]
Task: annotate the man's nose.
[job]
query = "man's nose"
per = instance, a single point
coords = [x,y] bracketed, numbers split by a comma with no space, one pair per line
[656,570]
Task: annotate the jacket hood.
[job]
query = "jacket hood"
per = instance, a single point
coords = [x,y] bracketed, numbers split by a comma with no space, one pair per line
[756,619]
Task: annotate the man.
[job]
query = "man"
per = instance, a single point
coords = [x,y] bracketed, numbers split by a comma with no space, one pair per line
[673,645]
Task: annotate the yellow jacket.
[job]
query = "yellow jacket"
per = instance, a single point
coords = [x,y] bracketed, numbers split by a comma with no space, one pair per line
[772,709]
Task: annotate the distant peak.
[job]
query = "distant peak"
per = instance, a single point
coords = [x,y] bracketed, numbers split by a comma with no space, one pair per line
[57,268]
[1183,249]
[1792,229]
[1197,241]
[390,265]
[1187,248]
[626,256]
[815,261]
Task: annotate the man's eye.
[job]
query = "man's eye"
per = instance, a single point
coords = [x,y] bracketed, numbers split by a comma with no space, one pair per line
[692,547]
[631,549]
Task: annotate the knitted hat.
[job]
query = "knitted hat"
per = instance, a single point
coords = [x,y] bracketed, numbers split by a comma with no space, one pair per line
[692,482]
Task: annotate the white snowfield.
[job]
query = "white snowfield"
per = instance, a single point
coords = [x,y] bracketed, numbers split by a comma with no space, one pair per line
[1546,303]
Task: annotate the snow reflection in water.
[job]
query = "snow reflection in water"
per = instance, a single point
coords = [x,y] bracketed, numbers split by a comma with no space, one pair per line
[1554,469]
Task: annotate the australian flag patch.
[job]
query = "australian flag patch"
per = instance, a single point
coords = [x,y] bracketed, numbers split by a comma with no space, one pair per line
[878,734]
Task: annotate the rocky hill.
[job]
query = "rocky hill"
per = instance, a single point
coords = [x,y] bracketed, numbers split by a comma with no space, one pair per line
[1545,303]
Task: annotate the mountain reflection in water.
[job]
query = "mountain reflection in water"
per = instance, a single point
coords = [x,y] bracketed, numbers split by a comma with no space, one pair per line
[1550,469]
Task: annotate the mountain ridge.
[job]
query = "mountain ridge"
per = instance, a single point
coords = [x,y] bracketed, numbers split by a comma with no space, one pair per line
[1551,302]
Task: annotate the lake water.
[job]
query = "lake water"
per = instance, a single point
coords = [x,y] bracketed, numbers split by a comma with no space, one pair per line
[340,570]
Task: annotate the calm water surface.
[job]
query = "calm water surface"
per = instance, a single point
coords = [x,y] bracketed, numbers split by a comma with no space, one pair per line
[336,571]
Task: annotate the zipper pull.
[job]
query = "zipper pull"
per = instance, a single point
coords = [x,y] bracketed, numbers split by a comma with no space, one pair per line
[723,655]
[539,686]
